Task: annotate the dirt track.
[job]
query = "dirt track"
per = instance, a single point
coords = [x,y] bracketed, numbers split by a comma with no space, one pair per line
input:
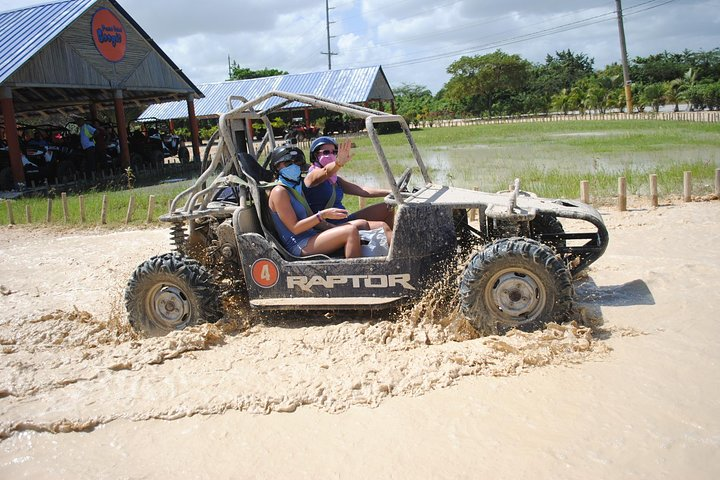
[632,397]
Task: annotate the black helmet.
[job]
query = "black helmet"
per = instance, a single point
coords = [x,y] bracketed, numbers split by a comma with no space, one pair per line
[286,153]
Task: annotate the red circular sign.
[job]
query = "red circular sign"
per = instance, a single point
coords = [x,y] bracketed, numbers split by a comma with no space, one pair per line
[108,35]
[265,273]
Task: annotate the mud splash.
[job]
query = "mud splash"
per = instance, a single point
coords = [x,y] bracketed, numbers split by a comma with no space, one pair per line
[69,371]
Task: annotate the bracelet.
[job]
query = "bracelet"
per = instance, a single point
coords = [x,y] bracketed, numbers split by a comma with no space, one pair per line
[320,219]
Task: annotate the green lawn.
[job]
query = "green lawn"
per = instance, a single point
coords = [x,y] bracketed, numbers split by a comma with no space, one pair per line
[550,159]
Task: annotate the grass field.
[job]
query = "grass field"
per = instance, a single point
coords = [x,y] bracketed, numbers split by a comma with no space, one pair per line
[549,158]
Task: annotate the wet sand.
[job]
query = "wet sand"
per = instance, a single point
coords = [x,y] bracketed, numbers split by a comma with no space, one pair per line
[626,392]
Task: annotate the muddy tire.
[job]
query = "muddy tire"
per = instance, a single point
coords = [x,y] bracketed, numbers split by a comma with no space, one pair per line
[548,225]
[184,155]
[170,292]
[515,283]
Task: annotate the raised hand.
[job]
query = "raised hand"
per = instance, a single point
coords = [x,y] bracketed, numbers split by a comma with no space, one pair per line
[344,154]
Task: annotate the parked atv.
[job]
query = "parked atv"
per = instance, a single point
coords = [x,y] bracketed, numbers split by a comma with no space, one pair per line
[146,148]
[526,249]
[158,133]
[48,154]
[297,131]
[33,172]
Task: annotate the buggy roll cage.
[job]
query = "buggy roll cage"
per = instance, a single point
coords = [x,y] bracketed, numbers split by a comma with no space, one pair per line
[240,119]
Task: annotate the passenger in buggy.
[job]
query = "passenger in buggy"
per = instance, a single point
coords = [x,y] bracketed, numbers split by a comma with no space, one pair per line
[324,188]
[302,231]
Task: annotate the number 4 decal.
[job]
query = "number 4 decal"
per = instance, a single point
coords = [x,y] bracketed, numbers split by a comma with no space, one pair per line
[265,273]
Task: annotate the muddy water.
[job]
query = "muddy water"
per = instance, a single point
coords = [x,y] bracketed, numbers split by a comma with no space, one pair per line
[69,371]
[70,362]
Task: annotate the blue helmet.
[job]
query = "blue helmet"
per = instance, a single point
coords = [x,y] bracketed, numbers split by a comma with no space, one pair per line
[321,141]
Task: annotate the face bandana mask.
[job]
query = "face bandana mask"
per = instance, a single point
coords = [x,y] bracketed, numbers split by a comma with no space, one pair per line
[325,160]
[290,175]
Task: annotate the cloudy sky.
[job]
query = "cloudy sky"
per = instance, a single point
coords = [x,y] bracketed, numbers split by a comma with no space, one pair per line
[413,40]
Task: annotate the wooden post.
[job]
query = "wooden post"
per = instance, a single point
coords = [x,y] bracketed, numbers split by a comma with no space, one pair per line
[622,194]
[82,208]
[585,191]
[48,217]
[63,197]
[131,207]
[717,182]
[11,220]
[103,212]
[28,215]
[687,186]
[653,191]
[363,203]
[151,209]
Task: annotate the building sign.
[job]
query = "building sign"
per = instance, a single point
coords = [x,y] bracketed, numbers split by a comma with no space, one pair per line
[109,35]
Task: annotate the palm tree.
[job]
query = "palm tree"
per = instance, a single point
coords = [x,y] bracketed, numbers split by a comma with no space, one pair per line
[561,101]
[688,84]
[653,95]
[673,92]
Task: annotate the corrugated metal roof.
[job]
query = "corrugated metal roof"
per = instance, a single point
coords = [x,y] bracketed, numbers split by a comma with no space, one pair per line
[355,85]
[25,31]
[36,38]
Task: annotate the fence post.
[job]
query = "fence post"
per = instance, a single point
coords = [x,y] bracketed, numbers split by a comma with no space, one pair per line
[131,207]
[151,209]
[622,194]
[28,215]
[82,208]
[653,190]
[687,186]
[585,191]
[63,198]
[48,217]
[103,212]
[11,220]
[717,182]
[362,203]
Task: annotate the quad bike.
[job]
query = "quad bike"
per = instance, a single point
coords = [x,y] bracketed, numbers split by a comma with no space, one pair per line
[160,137]
[297,131]
[522,258]
[33,172]
[49,156]
[146,148]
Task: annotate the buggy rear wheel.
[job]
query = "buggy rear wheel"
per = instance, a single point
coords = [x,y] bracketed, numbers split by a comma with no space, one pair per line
[515,283]
[170,292]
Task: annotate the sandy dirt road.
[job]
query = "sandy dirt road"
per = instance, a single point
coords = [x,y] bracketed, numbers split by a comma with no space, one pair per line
[632,395]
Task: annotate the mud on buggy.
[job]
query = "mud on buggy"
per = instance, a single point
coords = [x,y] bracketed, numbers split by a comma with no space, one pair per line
[519,273]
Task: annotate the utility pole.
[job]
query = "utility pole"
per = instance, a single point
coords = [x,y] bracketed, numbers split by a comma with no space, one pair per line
[623,52]
[329,52]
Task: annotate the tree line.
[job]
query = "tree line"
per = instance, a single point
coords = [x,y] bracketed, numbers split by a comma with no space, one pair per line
[502,84]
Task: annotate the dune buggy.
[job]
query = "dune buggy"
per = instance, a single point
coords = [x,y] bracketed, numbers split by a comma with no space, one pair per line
[519,273]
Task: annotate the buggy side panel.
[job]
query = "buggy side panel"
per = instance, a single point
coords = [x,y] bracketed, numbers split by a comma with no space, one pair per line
[411,264]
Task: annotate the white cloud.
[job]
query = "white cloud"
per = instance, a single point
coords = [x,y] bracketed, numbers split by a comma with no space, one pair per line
[404,35]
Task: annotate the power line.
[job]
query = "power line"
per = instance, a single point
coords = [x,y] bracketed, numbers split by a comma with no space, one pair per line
[596,19]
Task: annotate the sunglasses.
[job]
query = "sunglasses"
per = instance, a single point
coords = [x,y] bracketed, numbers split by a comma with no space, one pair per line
[327,152]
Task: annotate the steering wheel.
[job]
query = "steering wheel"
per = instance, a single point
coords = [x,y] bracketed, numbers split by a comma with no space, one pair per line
[404,179]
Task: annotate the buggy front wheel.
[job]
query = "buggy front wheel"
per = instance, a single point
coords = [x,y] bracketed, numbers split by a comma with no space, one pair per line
[515,283]
[170,292]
